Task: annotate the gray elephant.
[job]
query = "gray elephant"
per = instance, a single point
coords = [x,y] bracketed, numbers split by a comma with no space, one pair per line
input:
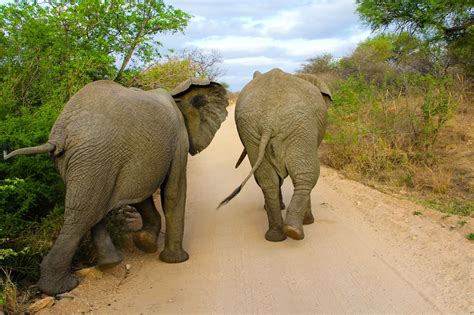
[116,146]
[281,120]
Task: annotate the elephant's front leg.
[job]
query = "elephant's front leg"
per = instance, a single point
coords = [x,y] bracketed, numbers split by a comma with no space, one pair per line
[145,239]
[173,199]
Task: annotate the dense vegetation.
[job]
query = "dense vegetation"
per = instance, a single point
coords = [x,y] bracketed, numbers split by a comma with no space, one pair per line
[403,102]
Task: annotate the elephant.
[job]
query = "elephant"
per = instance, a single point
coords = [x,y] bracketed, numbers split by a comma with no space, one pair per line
[281,120]
[115,146]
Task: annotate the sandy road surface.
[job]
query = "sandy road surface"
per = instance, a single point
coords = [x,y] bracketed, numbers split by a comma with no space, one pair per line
[366,252]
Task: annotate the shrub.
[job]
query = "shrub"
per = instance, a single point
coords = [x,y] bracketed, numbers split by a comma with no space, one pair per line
[174,69]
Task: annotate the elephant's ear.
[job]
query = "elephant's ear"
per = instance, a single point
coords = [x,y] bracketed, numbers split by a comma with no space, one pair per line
[203,104]
[320,84]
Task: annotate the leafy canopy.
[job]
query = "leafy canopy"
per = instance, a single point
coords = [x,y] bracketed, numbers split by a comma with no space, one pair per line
[443,17]
[50,50]
[446,23]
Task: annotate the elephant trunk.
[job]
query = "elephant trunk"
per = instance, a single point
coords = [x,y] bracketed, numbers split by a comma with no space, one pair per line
[44,148]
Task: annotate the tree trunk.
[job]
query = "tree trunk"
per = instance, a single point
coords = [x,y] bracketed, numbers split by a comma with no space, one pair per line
[130,52]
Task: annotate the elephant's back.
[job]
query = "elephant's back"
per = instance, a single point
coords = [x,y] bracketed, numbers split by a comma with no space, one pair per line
[292,109]
[106,112]
[276,96]
[127,134]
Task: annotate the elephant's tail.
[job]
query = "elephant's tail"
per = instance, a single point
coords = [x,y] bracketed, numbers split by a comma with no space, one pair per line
[241,158]
[44,148]
[261,153]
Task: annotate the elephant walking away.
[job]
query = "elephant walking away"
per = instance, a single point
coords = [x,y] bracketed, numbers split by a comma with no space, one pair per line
[281,120]
[115,146]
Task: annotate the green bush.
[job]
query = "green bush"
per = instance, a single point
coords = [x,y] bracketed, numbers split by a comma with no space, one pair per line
[166,74]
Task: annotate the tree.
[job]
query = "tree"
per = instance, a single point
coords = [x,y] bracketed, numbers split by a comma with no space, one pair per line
[205,63]
[320,64]
[174,69]
[442,17]
[166,74]
[446,24]
[62,45]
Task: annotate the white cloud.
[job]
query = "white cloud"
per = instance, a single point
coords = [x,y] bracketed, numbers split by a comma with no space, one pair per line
[259,61]
[297,47]
[259,35]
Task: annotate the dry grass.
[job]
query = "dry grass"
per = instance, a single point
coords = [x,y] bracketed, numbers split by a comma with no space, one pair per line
[415,143]
[11,302]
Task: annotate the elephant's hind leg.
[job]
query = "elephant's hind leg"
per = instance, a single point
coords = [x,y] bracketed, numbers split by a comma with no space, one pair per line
[270,183]
[282,204]
[107,254]
[304,173]
[87,196]
[145,239]
[56,276]
[308,214]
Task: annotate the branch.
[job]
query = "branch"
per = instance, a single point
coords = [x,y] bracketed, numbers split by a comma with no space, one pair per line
[131,50]
[461,27]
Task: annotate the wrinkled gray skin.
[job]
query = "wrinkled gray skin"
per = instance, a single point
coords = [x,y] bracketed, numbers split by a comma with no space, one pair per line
[115,146]
[281,120]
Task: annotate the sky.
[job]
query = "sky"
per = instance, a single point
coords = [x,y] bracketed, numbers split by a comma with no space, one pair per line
[264,34]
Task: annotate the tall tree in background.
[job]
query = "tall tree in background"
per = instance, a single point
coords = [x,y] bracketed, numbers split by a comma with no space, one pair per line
[53,48]
[173,69]
[449,23]
[442,17]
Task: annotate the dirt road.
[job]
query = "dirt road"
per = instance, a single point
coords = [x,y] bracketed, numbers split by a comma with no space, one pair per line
[367,253]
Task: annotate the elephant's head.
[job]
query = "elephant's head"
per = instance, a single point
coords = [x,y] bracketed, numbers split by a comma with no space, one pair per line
[203,104]
[320,84]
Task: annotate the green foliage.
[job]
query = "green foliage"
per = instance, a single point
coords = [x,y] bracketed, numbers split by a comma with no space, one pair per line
[168,72]
[27,230]
[417,16]
[470,236]
[392,99]
[449,24]
[319,64]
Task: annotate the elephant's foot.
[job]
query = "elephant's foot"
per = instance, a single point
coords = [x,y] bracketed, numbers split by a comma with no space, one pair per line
[57,284]
[110,258]
[172,257]
[275,235]
[145,240]
[293,232]
[308,217]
